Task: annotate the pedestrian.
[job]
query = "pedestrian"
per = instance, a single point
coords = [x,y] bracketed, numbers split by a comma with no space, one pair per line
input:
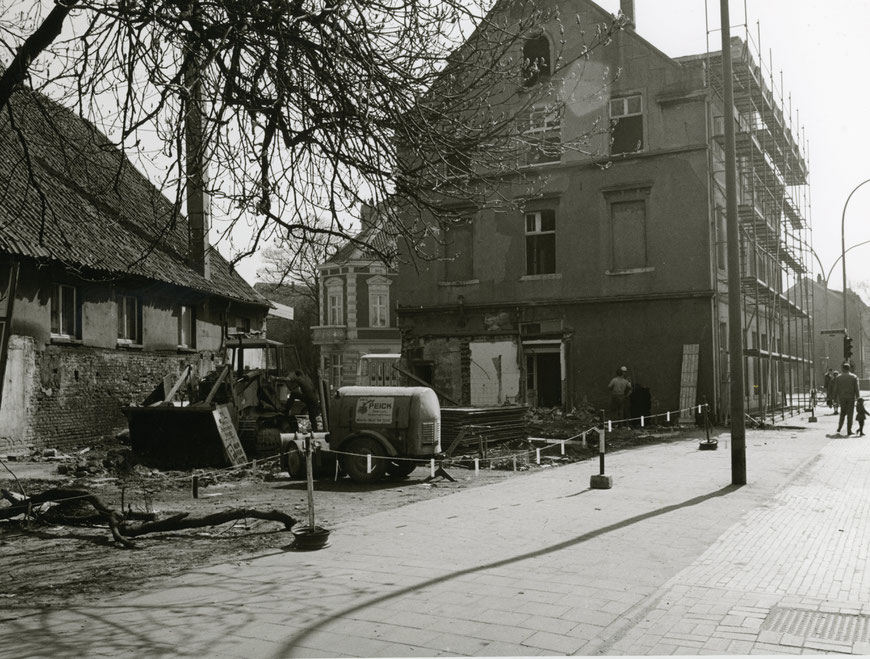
[846,391]
[860,415]
[829,378]
[620,389]
[831,392]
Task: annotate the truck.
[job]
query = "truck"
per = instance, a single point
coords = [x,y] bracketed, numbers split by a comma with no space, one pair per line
[372,431]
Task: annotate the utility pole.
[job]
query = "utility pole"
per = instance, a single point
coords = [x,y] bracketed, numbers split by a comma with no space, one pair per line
[735,316]
[198,198]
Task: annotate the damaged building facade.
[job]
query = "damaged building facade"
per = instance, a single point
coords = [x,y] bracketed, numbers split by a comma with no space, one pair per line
[620,258]
[102,292]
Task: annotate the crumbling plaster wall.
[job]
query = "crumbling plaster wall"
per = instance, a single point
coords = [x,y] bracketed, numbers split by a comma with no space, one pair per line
[66,396]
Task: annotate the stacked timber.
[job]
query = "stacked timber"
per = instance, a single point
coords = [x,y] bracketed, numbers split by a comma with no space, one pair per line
[505,423]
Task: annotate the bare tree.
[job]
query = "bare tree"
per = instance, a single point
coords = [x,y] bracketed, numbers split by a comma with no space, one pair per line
[311,106]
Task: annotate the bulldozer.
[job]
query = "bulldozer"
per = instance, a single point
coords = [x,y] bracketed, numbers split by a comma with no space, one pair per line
[234,413]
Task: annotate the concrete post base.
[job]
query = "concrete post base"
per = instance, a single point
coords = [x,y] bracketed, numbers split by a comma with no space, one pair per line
[600,482]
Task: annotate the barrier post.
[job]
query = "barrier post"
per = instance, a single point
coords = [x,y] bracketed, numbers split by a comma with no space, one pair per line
[600,481]
[194,485]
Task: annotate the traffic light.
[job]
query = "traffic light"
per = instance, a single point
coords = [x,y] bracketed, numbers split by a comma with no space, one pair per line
[847,347]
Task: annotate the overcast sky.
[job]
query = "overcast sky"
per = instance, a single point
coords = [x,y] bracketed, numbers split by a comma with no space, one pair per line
[822,50]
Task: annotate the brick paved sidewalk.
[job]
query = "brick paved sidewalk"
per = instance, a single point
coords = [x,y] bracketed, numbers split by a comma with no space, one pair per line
[672,559]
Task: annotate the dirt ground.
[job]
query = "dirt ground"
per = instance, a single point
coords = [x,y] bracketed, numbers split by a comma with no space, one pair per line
[48,561]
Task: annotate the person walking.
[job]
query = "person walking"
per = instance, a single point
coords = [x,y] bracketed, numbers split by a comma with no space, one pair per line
[831,391]
[620,388]
[860,415]
[846,391]
[829,385]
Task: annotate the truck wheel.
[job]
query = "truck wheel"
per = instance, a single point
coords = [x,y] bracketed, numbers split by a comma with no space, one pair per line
[355,465]
[292,460]
[401,468]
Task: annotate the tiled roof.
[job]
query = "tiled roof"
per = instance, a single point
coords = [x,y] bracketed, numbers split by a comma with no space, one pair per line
[81,202]
[376,241]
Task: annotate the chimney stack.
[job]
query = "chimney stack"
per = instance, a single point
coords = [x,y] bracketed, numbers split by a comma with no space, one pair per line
[626,8]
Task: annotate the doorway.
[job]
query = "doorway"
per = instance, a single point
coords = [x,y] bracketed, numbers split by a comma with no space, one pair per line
[544,379]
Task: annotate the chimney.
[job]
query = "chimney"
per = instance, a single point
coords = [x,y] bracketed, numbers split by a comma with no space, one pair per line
[198,199]
[626,8]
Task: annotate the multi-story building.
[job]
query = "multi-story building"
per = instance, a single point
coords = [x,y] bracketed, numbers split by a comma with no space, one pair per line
[620,258]
[357,310]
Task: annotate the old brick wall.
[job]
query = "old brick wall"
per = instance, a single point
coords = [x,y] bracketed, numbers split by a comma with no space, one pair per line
[76,393]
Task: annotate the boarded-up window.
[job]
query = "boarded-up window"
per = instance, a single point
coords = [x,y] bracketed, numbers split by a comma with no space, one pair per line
[626,124]
[628,223]
[458,251]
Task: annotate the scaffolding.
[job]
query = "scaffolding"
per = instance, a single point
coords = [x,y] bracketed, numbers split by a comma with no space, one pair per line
[774,211]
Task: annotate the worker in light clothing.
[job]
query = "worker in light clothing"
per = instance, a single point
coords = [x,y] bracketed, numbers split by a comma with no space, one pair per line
[846,392]
[620,388]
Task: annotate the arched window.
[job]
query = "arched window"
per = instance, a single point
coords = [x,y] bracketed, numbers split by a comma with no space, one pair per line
[536,60]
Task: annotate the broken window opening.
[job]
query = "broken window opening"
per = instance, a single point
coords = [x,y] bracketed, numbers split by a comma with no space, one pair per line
[626,125]
[536,60]
[544,137]
[541,242]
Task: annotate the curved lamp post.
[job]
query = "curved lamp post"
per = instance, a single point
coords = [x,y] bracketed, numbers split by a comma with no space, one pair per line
[843,245]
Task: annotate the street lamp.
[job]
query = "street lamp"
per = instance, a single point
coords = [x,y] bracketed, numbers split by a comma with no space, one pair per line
[843,253]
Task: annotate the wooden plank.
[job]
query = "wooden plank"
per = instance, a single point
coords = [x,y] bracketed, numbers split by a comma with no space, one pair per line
[689,381]
[233,450]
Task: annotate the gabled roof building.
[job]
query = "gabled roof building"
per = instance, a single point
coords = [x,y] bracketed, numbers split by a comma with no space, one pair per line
[620,258]
[101,296]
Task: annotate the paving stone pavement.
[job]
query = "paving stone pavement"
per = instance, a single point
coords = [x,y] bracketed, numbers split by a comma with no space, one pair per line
[672,560]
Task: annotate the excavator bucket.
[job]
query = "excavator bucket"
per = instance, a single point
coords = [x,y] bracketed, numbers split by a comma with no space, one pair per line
[185,437]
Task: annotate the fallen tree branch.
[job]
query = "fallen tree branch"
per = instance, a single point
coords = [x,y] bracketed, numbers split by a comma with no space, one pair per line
[123,528]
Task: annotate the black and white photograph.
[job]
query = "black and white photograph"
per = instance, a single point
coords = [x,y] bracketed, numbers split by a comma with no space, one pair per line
[434,328]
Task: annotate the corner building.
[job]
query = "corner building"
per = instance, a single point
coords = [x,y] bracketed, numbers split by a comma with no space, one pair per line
[620,259]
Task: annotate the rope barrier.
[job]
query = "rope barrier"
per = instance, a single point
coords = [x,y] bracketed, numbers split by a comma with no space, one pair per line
[478,462]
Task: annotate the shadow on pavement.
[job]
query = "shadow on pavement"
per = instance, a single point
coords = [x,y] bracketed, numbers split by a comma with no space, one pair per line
[300,637]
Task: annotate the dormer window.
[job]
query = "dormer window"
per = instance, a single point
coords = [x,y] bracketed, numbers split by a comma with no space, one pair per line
[536,60]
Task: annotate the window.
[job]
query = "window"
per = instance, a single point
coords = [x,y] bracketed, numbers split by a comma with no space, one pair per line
[336,310]
[243,325]
[544,137]
[458,251]
[333,367]
[186,327]
[65,312]
[378,309]
[536,60]
[379,301]
[628,226]
[129,317]
[626,124]
[541,242]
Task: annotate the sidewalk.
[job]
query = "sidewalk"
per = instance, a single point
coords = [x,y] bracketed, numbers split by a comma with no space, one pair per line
[672,560]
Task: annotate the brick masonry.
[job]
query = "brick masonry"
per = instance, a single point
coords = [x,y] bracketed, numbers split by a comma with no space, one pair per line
[74,395]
